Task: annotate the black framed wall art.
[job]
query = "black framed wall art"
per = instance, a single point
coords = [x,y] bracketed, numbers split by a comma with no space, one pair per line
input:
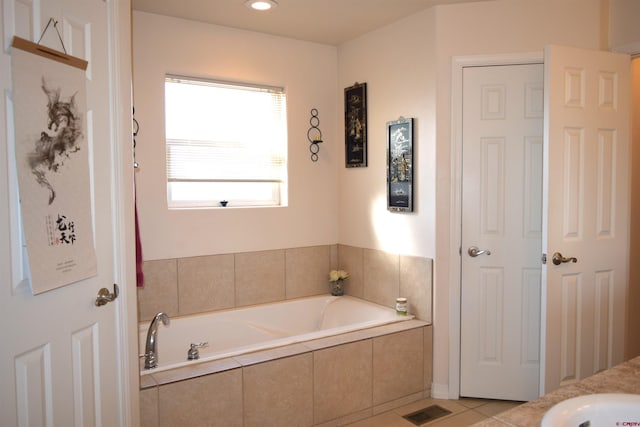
[355,125]
[400,165]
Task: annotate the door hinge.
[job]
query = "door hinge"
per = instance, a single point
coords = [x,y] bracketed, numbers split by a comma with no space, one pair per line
[544,258]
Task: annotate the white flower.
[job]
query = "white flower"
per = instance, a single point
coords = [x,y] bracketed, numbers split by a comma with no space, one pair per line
[335,275]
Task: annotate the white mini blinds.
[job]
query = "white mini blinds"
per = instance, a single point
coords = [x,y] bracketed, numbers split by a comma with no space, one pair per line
[225,142]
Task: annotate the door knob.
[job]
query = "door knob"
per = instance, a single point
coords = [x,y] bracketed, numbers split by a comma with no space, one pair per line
[474,251]
[558,259]
[104,296]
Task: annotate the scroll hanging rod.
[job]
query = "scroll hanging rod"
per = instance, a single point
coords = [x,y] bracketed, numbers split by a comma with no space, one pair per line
[55,25]
[47,52]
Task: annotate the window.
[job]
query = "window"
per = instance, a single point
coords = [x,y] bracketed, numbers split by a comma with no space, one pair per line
[225,141]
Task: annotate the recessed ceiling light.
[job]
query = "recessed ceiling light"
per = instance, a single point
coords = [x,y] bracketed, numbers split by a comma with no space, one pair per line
[261,4]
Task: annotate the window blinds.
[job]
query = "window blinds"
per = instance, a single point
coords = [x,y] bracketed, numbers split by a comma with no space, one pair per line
[224,132]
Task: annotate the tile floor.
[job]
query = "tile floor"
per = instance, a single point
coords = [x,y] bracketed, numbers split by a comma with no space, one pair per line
[464,412]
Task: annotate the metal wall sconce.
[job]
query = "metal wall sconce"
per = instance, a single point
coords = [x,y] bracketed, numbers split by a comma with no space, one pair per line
[136,129]
[314,135]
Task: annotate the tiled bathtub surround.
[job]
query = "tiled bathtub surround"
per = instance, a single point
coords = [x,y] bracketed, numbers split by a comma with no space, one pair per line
[326,382]
[381,277]
[197,284]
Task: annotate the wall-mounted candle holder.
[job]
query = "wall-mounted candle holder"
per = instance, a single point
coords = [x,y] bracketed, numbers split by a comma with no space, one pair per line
[314,135]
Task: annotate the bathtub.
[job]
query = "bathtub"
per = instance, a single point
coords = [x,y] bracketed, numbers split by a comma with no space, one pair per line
[243,330]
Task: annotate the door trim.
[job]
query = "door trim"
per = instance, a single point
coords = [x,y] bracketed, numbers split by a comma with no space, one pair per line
[119,25]
[458,63]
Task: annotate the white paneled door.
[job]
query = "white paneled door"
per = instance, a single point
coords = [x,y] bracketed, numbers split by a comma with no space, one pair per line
[501,231]
[586,193]
[59,352]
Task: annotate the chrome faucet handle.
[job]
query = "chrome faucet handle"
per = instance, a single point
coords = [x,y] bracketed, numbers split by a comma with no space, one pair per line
[193,352]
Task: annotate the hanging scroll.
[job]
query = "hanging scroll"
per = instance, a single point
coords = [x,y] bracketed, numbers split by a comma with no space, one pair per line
[50,118]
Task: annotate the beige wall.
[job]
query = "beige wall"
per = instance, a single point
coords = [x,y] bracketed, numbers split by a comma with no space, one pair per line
[407,67]
[398,65]
[624,31]
[632,347]
[624,36]
[308,73]
[495,27]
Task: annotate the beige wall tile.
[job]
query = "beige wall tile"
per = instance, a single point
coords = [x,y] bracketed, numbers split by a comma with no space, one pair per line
[351,259]
[260,277]
[415,284]
[428,358]
[279,393]
[261,356]
[198,284]
[381,277]
[307,270]
[194,370]
[398,365]
[334,257]
[342,380]
[205,283]
[160,292]
[146,381]
[182,403]
[149,407]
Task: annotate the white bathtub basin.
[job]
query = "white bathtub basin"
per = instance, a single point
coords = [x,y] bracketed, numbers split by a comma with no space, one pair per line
[594,410]
[242,330]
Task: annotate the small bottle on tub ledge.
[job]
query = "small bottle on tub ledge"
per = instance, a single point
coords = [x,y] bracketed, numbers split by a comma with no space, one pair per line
[401,306]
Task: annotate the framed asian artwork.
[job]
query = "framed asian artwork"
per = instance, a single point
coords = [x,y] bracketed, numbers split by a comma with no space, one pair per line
[400,165]
[355,125]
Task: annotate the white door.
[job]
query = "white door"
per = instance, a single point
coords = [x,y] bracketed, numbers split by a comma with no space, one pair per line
[59,353]
[502,216]
[587,157]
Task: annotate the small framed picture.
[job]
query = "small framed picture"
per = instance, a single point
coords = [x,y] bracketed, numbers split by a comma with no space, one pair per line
[355,125]
[400,165]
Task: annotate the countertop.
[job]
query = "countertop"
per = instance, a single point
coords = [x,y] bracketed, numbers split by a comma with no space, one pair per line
[623,378]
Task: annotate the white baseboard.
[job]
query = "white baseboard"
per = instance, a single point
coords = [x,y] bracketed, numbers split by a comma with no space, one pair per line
[439,391]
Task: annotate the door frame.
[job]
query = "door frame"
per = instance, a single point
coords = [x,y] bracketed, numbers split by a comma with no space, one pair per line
[119,36]
[458,63]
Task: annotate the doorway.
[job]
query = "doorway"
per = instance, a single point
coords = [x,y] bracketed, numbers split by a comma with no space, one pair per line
[585,215]
[455,232]
[501,233]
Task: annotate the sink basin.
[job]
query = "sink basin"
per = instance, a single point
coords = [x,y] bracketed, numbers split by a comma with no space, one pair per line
[593,410]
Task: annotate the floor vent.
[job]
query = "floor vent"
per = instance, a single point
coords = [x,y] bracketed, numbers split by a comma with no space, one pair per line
[427,414]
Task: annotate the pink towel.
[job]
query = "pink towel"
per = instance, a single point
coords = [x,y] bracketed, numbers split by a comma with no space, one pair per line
[139,272]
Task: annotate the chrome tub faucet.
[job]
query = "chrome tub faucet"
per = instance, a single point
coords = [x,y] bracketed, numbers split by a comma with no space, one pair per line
[150,351]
